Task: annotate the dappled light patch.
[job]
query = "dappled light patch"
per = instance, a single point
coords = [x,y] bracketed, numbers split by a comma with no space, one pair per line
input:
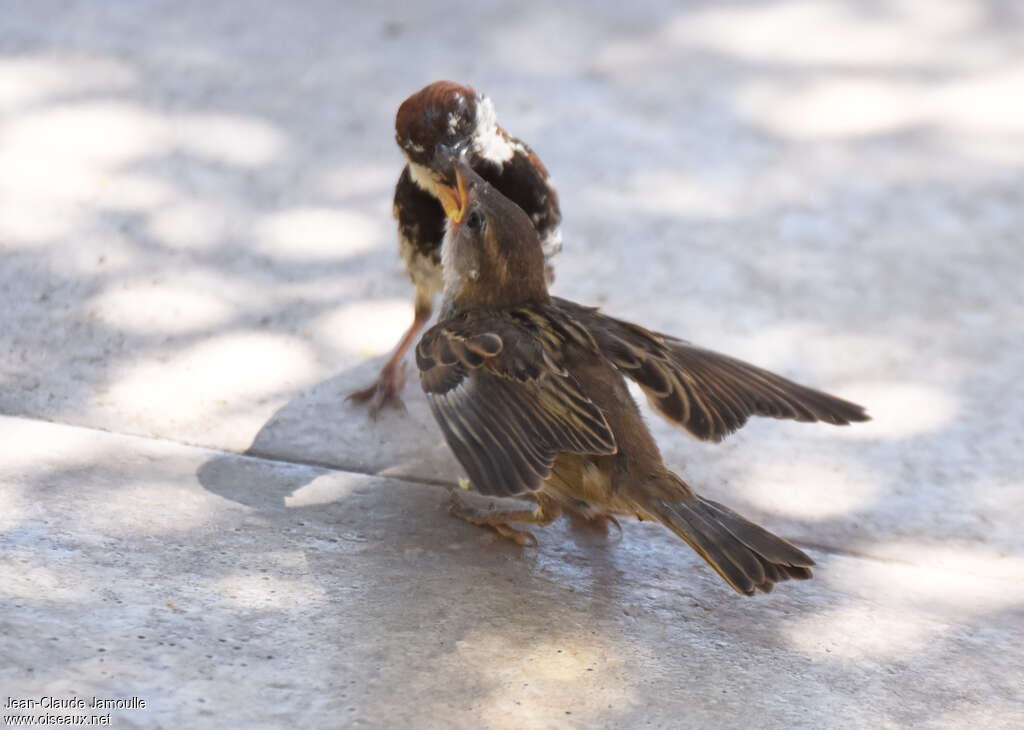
[562,672]
[29,79]
[310,233]
[860,633]
[673,192]
[149,508]
[213,375]
[984,103]
[835,107]
[825,34]
[359,180]
[368,327]
[228,139]
[324,489]
[168,307]
[269,593]
[193,224]
[957,573]
[61,164]
[822,490]
[902,410]
[24,575]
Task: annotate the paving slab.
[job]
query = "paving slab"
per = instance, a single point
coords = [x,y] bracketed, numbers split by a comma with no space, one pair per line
[230,591]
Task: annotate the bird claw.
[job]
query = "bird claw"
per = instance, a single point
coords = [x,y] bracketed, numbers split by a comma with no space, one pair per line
[522,538]
[605,520]
[384,392]
[481,517]
[590,519]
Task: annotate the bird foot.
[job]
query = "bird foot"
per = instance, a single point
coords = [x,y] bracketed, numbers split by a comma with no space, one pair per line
[600,522]
[385,391]
[496,519]
[522,538]
[586,516]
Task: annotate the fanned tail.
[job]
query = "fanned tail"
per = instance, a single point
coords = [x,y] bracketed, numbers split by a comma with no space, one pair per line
[747,556]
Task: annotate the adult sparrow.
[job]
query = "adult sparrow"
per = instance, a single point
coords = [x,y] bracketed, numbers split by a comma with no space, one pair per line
[436,123]
[529,392]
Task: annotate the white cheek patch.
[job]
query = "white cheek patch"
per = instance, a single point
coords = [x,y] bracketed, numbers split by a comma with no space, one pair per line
[551,244]
[425,179]
[488,142]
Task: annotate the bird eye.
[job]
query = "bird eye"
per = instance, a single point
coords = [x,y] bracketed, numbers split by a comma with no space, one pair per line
[476,221]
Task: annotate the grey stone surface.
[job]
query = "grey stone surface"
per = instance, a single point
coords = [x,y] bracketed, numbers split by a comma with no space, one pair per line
[196,249]
[229,591]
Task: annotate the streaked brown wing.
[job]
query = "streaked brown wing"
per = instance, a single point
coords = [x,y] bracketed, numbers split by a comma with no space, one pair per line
[707,393]
[504,405]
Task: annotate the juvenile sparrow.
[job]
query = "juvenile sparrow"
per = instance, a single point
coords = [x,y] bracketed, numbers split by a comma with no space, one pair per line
[433,125]
[529,392]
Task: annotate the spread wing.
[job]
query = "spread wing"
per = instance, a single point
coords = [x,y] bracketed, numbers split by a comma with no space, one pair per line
[707,393]
[505,404]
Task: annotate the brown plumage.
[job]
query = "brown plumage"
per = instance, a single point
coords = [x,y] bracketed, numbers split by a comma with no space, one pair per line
[530,395]
[438,122]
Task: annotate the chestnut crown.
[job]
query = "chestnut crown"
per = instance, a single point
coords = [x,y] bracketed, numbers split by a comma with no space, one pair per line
[440,118]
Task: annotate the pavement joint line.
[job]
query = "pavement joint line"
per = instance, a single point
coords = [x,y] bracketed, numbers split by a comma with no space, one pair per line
[341,469]
[257,455]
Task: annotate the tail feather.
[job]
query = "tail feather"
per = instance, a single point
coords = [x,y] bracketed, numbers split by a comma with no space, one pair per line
[738,565]
[748,557]
[770,547]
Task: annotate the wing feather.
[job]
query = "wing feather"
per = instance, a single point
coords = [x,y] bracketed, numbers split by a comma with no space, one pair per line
[707,393]
[505,402]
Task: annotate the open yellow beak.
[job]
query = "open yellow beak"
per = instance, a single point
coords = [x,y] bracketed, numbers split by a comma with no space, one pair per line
[453,200]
